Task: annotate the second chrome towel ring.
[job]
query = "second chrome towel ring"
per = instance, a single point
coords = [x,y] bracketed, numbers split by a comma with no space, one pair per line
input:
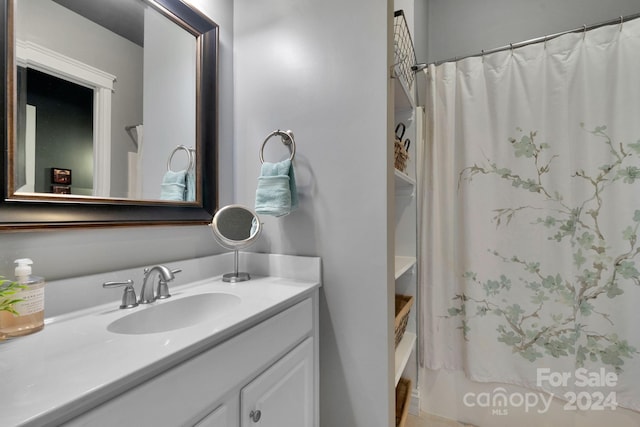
[287,139]
[190,156]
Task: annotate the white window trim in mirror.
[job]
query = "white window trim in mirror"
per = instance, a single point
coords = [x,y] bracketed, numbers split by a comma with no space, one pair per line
[56,64]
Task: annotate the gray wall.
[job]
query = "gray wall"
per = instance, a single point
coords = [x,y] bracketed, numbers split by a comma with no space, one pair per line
[463,27]
[319,68]
[169,100]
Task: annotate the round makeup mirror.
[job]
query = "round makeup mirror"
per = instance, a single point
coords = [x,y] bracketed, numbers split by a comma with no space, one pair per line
[236,227]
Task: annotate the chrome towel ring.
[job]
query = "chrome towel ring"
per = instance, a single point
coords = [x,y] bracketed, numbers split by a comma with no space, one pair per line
[190,156]
[287,139]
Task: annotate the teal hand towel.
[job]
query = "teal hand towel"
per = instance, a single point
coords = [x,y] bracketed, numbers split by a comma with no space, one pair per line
[190,195]
[276,194]
[173,186]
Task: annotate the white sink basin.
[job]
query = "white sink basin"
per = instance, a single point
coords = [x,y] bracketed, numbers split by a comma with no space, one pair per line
[174,314]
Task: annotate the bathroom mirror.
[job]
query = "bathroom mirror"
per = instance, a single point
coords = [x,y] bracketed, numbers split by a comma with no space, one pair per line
[236,227]
[134,123]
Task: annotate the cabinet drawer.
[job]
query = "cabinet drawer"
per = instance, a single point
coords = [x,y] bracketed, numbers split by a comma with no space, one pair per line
[184,394]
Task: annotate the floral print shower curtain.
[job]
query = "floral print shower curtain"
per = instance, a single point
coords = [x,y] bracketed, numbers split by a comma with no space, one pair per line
[532,211]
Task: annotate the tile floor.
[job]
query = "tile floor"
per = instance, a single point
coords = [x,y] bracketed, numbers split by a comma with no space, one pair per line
[428,420]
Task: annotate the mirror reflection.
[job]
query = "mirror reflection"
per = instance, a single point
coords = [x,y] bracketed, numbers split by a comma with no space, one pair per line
[106,94]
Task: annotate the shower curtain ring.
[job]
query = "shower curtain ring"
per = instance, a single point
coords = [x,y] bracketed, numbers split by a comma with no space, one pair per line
[621,21]
[584,32]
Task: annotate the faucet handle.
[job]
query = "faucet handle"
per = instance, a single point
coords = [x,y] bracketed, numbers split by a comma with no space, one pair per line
[163,287]
[163,290]
[129,299]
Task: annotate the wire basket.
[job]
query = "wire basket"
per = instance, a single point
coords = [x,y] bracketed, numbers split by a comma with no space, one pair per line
[400,155]
[400,148]
[403,395]
[403,306]
[403,52]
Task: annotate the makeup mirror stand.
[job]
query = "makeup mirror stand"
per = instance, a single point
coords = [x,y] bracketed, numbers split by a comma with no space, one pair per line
[235,276]
[236,227]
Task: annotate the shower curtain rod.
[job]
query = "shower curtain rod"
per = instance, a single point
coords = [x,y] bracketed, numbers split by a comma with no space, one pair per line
[584,28]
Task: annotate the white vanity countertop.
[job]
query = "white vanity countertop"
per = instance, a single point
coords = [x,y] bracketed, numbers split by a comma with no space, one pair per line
[75,361]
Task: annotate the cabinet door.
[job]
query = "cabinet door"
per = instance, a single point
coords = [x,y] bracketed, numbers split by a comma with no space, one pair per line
[282,396]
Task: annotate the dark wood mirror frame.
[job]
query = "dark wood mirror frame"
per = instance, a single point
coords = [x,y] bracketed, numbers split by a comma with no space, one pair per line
[18,214]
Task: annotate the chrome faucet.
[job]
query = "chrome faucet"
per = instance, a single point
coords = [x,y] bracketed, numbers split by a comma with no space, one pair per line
[147,294]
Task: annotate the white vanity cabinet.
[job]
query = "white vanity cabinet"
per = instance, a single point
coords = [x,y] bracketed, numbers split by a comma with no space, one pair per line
[265,376]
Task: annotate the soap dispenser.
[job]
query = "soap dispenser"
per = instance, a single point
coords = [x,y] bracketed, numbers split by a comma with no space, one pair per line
[29,309]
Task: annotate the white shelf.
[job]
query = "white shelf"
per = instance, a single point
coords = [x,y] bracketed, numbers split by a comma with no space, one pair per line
[403,100]
[403,180]
[403,352]
[405,186]
[403,264]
